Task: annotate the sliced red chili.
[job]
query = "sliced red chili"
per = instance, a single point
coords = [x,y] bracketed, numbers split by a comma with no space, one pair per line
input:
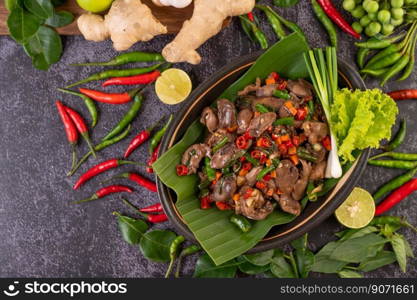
[223,205]
[301,114]
[242,142]
[247,166]
[327,143]
[205,202]
[260,185]
[182,170]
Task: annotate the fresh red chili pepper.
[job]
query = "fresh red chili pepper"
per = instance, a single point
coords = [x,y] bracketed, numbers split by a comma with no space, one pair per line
[138,140]
[182,170]
[119,98]
[223,205]
[81,127]
[251,17]
[205,202]
[242,142]
[111,189]
[327,143]
[152,159]
[337,18]
[70,129]
[140,180]
[301,114]
[396,196]
[155,208]
[100,168]
[133,80]
[159,218]
[403,94]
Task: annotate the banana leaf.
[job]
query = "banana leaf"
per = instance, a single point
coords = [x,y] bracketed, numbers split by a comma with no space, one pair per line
[221,239]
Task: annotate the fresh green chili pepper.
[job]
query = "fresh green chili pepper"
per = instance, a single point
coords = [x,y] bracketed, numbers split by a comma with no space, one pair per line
[173,252]
[303,154]
[186,252]
[326,22]
[396,164]
[375,43]
[361,56]
[100,147]
[375,73]
[116,73]
[393,184]
[282,94]
[126,58]
[210,172]
[258,34]
[290,25]
[247,29]
[396,68]
[386,61]
[409,69]
[284,121]
[397,155]
[391,220]
[220,144]
[89,103]
[399,137]
[250,159]
[241,222]
[127,119]
[274,21]
[158,136]
[261,108]
[382,54]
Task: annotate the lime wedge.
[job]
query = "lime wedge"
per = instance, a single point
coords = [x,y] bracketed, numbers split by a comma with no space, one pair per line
[358,210]
[173,86]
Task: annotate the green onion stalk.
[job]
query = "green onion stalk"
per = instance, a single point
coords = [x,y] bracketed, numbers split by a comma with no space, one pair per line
[322,67]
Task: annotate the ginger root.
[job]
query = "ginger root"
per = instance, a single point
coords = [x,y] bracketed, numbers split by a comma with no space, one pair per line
[127,22]
[205,23]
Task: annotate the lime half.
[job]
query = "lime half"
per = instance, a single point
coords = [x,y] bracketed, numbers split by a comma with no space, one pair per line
[173,86]
[95,6]
[358,210]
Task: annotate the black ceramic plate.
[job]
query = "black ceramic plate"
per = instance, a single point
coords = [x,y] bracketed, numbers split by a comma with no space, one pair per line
[314,213]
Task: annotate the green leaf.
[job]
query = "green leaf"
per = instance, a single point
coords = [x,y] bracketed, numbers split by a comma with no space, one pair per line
[383,258]
[261,258]
[398,246]
[246,267]
[285,3]
[206,268]
[155,245]
[22,25]
[280,267]
[60,19]
[324,264]
[408,249]
[131,229]
[304,258]
[221,239]
[346,273]
[286,57]
[358,249]
[355,233]
[45,47]
[40,8]
[10,4]
[300,243]
[58,2]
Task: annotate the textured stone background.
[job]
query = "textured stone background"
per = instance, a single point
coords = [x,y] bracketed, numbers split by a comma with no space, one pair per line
[41,234]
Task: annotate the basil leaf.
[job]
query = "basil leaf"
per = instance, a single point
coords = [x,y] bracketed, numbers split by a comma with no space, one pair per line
[251,269]
[383,258]
[346,273]
[155,245]
[286,3]
[305,261]
[40,8]
[300,243]
[356,233]
[206,268]
[358,249]
[280,267]
[398,246]
[10,4]
[22,25]
[58,2]
[408,249]
[131,229]
[323,263]
[45,47]
[60,19]
[260,259]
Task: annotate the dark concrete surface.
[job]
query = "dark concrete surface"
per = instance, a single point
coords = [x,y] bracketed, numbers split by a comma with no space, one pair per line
[41,234]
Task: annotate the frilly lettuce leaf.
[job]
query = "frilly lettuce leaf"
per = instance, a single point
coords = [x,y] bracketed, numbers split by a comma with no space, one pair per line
[361,119]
